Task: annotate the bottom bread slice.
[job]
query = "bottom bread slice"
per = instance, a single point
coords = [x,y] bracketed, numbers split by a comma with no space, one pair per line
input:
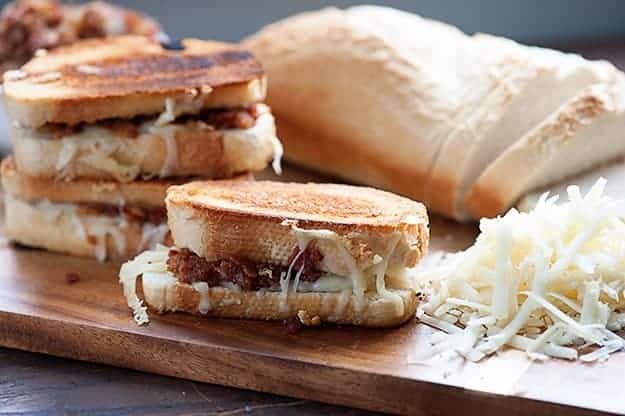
[60,227]
[164,293]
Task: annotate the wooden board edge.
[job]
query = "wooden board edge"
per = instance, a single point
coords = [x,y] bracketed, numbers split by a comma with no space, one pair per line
[268,374]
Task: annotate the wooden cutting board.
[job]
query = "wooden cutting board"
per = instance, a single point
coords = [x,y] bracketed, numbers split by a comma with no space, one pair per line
[372,369]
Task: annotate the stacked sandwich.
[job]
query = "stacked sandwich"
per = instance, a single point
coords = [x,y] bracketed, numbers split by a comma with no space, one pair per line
[101,128]
[273,251]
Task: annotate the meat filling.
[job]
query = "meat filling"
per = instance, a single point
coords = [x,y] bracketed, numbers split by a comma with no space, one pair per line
[188,267]
[136,213]
[219,119]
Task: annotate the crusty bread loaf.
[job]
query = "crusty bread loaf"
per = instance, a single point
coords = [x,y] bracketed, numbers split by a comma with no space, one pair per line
[61,228]
[167,294]
[225,218]
[506,115]
[365,93]
[412,105]
[580,135]
[28,188]
[191,149]
[127,76]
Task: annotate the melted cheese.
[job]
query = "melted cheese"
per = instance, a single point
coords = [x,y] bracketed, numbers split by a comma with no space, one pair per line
[99,227]
[152,235]
[154,261]
[358,276]
[204,306]
[191,103]
[542,281]
[168,135]
[92,147]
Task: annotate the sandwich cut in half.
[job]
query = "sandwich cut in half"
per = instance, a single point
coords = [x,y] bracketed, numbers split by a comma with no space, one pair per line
[130,107]
[272,250]
[92,218]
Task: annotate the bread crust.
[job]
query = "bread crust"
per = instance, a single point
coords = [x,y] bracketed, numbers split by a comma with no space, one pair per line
[396,94]
[170,295]
[172,150]
[496,126]
[405,97]
[127,76]
[224,218]
[75,233]
[306,146]
[147,193]
[413,120]
[575,138]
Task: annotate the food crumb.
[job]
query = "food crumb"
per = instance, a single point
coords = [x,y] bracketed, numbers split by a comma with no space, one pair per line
[307,320]
[293,325]
[72,277]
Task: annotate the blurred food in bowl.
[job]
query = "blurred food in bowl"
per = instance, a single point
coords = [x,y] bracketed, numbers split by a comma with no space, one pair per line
[27,26]
[30,27]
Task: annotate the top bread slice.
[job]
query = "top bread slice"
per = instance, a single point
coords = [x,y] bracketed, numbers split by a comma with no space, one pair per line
[255,220]
[126,76]
[381,89]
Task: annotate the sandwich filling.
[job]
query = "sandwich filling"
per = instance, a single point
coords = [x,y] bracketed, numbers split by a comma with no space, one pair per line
[307,270]
[92,223]
[190,268]
[123,149]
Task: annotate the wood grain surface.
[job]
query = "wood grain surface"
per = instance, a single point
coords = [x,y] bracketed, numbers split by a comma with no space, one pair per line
[371,369]
[37,384]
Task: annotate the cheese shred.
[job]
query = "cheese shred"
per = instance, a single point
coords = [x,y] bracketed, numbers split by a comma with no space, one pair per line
[547,281]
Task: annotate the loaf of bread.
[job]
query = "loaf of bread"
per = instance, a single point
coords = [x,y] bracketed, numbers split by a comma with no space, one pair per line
[467,124]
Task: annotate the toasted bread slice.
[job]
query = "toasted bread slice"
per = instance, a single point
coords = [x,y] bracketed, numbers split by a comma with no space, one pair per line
[28,188]
[181,149]
[105,220]
[208,218]
[130,75]
[65,228]
[164,294]
[93,218]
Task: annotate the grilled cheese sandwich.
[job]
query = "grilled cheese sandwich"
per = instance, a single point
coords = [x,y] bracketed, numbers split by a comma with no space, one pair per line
[267,250]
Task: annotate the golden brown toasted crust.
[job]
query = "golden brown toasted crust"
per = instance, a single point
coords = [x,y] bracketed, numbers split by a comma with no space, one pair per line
[127,76]
[439,195]
[485,203]
[329,307]
[148,193]
[325,151]
[222,218]
[313,205]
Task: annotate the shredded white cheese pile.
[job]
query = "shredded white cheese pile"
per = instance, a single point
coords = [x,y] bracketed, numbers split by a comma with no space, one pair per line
[550,282]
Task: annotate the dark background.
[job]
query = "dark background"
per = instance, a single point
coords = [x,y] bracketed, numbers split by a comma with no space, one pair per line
[536,21]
